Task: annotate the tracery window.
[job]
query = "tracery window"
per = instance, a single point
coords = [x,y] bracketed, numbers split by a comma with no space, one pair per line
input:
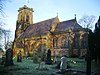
[65,42]
[27,18]
[76,41]
[84,41]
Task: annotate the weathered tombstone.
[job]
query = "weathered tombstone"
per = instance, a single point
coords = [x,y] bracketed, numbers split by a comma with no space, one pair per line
[48,60]
[19,57]
[41,65]
[9,57]
[43,57]
[55,59]
[35,58]
[63,65]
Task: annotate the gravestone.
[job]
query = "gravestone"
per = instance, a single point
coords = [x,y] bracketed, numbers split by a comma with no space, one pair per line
[48,60]
[35,58]
[55,59]
[43,57]
[41,65]
[63,65]
[9,57]
[19,57]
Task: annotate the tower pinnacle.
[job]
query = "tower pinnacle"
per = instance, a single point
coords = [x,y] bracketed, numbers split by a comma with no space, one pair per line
[75,16]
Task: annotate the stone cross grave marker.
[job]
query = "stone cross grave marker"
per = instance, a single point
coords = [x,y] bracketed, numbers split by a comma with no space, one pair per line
[63,65]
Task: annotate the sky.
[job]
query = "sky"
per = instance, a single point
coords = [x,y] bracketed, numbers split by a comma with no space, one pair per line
[46,9]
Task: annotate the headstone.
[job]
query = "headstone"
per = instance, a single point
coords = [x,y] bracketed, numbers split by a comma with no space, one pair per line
[48,60]
[19,57]
[9,57]
[55,59]
[42,65]
[35,58]
[63,65]
[43,57]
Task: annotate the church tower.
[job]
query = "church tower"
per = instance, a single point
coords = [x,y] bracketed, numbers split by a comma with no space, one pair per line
[25,18]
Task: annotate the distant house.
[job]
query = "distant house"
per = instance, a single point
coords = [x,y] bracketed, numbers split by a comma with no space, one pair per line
[63,38]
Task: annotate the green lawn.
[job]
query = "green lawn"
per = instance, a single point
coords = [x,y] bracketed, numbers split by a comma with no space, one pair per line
[27,67]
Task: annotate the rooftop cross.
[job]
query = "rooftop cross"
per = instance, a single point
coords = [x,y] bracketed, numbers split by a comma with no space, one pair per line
[75,16]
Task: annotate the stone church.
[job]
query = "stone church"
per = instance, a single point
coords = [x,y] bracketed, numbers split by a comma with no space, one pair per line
[62,38]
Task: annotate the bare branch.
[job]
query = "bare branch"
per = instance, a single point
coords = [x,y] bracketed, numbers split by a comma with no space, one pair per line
[87,21]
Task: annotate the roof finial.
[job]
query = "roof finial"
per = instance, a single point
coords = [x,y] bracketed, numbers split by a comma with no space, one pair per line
[75,16]
[57,14]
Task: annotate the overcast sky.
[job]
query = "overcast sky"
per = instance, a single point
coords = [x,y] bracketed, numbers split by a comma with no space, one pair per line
[46,9]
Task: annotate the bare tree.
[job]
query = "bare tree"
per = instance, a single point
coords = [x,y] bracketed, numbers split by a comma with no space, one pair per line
[7,43]
[2,5]
[87,21]
[2,15]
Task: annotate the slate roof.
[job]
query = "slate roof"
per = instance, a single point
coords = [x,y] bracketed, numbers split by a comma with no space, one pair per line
[37,29]
[65,25]
[42,28]
[19,44]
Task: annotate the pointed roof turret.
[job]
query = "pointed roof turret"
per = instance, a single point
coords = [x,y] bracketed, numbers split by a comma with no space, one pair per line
[75,16]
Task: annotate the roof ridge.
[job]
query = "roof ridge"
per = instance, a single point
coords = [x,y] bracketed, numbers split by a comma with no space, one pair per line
[45,20]
[68,20]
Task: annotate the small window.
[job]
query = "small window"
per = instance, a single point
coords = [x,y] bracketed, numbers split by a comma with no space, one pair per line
[65,42]
[27,18]
[55,42]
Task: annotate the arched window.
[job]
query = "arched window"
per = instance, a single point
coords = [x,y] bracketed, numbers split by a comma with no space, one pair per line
[27,18]
[55,42]
[84,41]
[42,48]
[64,42]
[76,41]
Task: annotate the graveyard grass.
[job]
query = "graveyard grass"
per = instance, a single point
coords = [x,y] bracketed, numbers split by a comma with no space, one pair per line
[27,67]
